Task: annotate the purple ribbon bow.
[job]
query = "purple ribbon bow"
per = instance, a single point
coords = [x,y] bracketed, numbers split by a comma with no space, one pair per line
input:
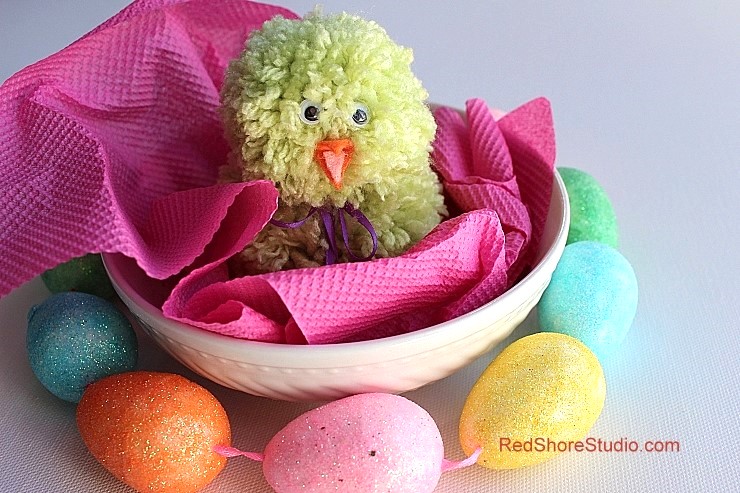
[327,218]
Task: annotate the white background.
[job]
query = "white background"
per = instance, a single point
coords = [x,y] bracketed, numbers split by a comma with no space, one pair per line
[646,98]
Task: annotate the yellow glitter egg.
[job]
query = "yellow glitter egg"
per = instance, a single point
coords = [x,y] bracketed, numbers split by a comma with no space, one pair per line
[538,398]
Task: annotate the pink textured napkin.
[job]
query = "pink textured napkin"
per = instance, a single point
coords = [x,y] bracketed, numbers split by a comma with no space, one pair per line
[355,301]
[505,166]
[113,144]
[92,136]
[496,175]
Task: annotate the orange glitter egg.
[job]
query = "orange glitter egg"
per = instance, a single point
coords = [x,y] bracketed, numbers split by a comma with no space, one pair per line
[154,431]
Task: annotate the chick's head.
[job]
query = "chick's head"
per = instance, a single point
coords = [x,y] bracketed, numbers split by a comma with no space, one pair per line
[327,108]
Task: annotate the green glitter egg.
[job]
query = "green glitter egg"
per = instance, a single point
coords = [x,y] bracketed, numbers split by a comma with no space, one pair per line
[591,214]
[85,274]
[74,339]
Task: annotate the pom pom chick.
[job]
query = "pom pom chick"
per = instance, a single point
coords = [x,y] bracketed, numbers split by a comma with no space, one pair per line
[327,108]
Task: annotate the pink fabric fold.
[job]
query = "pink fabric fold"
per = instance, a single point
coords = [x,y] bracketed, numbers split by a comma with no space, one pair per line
[354,301]
[91,136]
[498,165]
[113,144]
[473,257]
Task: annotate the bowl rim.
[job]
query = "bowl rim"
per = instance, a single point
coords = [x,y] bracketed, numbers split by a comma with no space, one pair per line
[302,356]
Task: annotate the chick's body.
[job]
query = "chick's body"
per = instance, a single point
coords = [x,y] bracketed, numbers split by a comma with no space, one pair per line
[327,108]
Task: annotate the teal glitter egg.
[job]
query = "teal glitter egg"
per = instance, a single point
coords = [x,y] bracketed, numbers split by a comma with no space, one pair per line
[592,216]
[592,296]
[85,274]
[74,339]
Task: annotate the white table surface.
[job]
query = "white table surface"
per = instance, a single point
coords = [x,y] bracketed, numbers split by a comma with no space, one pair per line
[646,98]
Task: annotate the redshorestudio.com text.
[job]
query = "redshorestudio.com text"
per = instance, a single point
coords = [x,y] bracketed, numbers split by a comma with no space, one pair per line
[590,444]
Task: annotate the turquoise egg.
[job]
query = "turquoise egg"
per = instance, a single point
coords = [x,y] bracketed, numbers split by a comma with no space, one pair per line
[592,296]
[74,339]
[85,274]
[592,216]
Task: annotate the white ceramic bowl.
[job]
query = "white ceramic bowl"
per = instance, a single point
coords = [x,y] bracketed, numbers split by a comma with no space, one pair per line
[393,364]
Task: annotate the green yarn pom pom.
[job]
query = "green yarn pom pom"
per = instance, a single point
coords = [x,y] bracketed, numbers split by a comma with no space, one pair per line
[592,216]
[301,85]
[335,64]
[85,274]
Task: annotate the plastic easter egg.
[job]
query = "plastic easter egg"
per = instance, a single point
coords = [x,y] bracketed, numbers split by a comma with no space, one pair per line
[366,442]
[541,393]
[74,339]
[154,431]
[592,296]
[592,216]
[85,274]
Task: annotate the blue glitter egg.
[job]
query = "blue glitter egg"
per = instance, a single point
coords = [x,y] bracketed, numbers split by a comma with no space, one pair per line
[592,296]
[74,339]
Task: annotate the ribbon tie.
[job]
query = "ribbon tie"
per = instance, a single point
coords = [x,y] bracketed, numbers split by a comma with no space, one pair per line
[327,214]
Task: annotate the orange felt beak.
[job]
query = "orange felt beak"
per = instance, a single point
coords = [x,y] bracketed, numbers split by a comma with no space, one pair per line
[334,157]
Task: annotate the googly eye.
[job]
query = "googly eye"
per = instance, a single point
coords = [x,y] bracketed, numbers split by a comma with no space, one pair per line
[310,111]
[361,116]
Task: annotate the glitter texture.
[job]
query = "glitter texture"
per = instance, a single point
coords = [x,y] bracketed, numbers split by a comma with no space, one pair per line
[85,274]
[592,296]
[154,431]
[544,386]
[74,339]
[592,217]
[364,443]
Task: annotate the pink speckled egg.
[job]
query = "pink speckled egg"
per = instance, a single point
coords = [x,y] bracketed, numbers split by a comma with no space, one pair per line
[366,442]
